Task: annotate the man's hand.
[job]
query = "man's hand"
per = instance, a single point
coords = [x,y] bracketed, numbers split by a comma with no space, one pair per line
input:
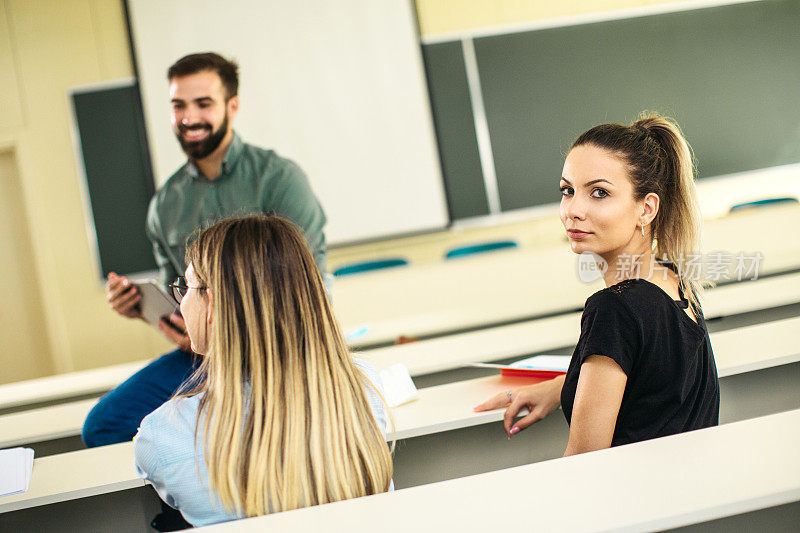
[123,296]
[175,330]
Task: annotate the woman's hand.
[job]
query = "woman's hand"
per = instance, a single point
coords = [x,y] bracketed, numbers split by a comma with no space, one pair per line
[540,399]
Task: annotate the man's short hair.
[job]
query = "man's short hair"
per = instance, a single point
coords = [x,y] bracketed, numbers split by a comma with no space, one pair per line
[228,71]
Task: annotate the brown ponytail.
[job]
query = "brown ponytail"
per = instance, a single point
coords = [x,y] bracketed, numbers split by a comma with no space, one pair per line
[660,161]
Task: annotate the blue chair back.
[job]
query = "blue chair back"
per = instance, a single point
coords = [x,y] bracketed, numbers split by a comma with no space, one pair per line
[368,266]
[472,249]
[764,202]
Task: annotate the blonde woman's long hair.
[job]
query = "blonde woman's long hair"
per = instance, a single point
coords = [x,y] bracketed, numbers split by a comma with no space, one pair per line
[660,160]
[283,413]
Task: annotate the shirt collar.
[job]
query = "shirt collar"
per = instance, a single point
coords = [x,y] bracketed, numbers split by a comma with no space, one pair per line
[232,156]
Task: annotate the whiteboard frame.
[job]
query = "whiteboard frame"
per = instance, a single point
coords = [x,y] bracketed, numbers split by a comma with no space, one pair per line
[396,186]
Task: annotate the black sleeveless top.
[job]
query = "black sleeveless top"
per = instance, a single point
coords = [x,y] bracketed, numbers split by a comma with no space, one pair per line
[672,382]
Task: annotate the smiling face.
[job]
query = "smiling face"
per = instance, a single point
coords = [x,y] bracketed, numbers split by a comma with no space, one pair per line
[195,309]
[598,208]
[201,112]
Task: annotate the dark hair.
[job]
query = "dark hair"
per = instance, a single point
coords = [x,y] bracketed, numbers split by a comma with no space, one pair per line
[228,71]
[659,160]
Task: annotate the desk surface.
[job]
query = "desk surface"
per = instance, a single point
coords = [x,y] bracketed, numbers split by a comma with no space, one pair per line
[438,409]
[478,291]
[737,351]
[543,229]
[537,336]
[96,380]
[448,407]
[75,475]
[756,347]
[502,286]
[528,232]
[44,424]
[664,483]
[534,336]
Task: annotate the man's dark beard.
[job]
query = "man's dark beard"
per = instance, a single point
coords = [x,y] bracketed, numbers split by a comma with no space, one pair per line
[204,147]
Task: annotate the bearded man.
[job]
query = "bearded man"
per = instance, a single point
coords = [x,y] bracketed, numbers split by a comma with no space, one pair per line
[223,177]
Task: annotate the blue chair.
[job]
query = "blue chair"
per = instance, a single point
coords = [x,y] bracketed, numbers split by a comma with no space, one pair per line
[472,249]
[766,201]
[368,266]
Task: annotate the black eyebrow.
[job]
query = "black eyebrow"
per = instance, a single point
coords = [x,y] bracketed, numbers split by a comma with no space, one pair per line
[589,183]
[198,100]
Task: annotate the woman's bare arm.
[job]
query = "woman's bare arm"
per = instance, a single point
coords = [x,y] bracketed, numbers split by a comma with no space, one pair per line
[597,399]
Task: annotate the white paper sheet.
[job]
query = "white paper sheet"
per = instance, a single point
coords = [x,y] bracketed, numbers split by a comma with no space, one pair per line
[398,388]
[557,363]
[551,363]
[16,466]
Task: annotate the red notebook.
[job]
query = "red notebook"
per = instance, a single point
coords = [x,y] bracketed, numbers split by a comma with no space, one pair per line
[540,366]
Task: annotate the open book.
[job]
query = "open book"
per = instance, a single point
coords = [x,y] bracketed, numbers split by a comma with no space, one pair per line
[16,465]
[540,366]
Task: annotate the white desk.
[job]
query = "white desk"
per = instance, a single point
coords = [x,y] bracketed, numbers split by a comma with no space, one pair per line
[478,291]
[498,287]
[44,424]
[756,347]
[739,350]
[536,336]
[439,410]
[75,475]
[533,336]
[439,297]
[653,485]
[448,407]
[72,384]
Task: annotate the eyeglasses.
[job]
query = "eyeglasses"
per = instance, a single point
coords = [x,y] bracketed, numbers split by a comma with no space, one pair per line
[180,288]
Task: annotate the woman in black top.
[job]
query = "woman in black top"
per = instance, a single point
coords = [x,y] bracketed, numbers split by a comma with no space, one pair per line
[643,366]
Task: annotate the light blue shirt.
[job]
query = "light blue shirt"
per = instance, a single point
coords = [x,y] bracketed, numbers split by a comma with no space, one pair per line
[168,456]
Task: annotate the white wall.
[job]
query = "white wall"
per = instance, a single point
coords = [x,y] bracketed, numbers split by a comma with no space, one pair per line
[337,86]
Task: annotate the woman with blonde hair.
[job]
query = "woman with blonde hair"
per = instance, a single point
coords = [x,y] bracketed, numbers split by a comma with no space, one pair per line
[643,366]
[279,416]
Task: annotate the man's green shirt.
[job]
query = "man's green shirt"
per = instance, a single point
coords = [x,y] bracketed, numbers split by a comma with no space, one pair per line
[253,180]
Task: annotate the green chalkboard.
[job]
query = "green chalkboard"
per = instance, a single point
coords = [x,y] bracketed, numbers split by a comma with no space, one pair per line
[119,181]
[455,130]
[730,76]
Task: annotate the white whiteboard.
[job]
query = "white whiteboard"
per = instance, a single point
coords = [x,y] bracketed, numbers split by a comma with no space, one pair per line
[337,86]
